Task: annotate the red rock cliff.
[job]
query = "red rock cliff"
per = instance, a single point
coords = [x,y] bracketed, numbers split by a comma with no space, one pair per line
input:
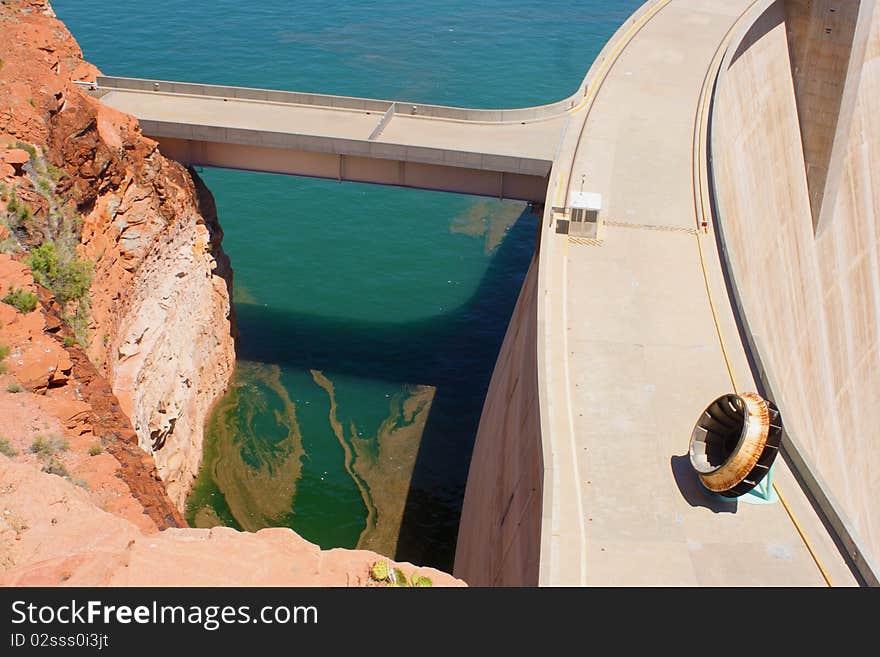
[81,498]
[159,326]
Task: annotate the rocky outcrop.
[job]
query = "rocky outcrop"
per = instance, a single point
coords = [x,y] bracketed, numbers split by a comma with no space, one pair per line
[51,534]
[99,444]
[82,504]
[51,392]
[160,329]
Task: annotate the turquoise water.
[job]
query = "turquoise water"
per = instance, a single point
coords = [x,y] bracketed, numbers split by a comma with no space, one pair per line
[370,318]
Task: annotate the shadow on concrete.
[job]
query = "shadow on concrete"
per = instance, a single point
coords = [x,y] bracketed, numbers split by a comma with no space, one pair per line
[772,17]
[691,489]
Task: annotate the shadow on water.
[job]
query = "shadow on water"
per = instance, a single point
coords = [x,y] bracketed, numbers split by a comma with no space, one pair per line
[454,352]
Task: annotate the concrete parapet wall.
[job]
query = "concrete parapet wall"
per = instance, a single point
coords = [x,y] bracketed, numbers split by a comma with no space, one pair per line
[469,114]
[344,102]
[811,300]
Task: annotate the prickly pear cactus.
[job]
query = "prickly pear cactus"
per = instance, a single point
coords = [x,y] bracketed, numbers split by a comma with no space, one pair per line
[421,581]
[380,571]
[399,578]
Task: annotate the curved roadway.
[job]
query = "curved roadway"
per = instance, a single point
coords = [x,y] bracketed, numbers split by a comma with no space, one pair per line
[638,337]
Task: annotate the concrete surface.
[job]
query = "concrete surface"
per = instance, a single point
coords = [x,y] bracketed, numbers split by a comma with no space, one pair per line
[634,340]
[811,299]
[642,345]
[355,139]
[826,41]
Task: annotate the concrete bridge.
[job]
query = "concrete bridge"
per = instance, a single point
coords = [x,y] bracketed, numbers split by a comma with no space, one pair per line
[734,143]
[498,153]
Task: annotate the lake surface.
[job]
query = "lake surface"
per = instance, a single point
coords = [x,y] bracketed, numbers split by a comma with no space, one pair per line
[370,318]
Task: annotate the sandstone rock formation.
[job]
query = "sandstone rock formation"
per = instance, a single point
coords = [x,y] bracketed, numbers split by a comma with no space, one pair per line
[99,444]
[160,326]
[51,534]
[50,390]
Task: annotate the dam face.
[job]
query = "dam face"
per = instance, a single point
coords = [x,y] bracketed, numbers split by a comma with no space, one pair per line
[809,293]
[788,155]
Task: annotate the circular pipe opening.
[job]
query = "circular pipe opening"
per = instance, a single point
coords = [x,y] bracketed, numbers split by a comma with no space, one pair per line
[735,442]
[717,434]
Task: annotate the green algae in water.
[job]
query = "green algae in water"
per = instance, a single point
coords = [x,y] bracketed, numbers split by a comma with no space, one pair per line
[258,474]
[489,219]
[252,457]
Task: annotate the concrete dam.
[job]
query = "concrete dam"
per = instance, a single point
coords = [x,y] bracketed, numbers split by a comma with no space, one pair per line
[709,198]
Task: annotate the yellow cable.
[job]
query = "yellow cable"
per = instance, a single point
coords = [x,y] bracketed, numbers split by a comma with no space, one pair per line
[701,210]
[797,525]
[715,315]
[825,575]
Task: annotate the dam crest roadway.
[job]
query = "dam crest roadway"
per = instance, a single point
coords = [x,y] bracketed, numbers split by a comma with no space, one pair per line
[620,337]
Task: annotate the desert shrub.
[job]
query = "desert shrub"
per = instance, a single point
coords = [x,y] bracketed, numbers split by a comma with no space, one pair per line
[95,449]
[31,150]
[66,275]
[14,388]
[54,264]
[54,466]
[48,445]
[19,213]
[382,572]
[20,299]
[6,448]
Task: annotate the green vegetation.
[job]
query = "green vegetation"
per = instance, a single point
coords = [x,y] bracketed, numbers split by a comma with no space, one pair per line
[398,578]
[6,448]
[54,466]
[382,572]
[22,300]
[58,268]
[18,213]
[66,275]
[11,218]
[4,352]
[14,388]
[68,341]
[31,150]
[420,581]
[95,449]
[46,446]
[54,263]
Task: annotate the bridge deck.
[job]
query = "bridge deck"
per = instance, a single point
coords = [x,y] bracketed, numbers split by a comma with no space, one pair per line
[534,140]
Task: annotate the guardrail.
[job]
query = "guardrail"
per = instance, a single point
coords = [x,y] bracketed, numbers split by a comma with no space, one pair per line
[341,102]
